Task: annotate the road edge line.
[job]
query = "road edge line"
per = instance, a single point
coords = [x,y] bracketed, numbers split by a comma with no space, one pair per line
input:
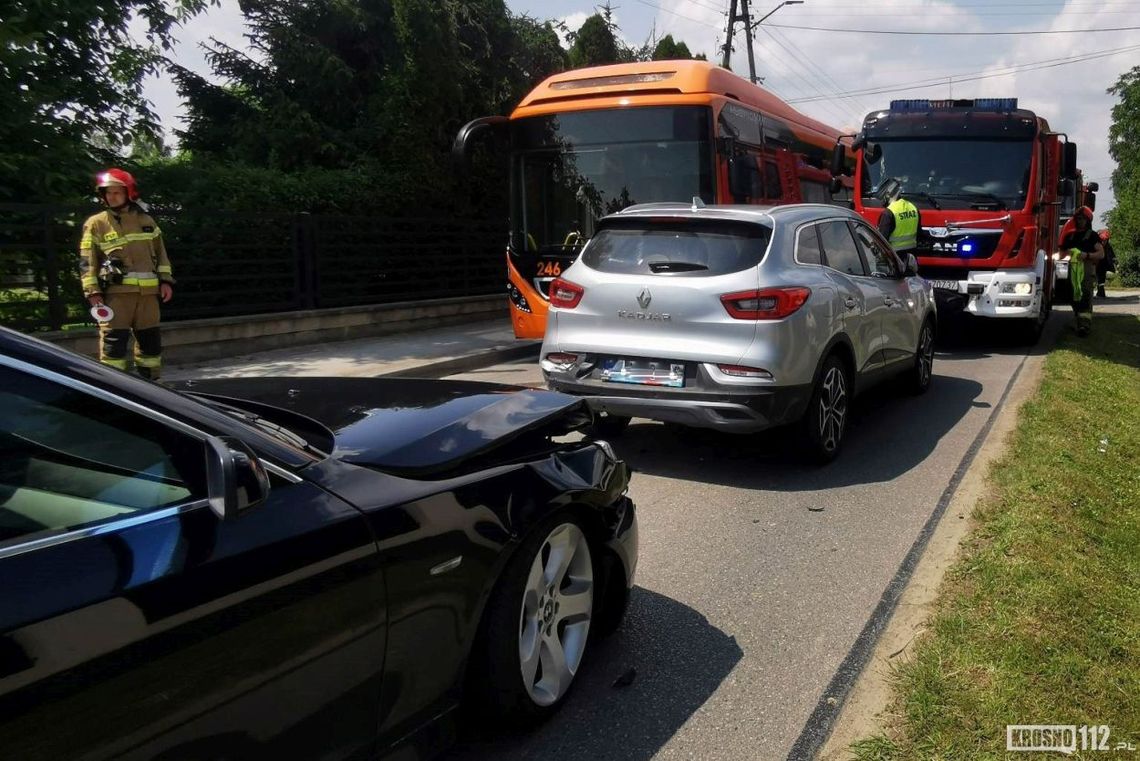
[818,728]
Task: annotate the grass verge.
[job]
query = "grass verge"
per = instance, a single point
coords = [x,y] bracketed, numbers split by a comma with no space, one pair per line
[1038,622]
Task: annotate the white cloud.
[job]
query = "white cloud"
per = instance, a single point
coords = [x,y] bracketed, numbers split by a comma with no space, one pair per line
[573,22]
[223,22]
[1071,97]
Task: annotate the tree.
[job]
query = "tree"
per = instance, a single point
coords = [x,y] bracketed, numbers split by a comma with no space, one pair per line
[71,80]
[595,43]
[1124,147]
[667,49]
[360,97]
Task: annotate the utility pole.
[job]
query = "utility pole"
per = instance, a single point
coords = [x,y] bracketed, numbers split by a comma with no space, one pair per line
[746,17]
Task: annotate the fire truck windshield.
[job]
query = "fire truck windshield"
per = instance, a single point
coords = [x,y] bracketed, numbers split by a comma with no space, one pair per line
[955,173]
[571,169]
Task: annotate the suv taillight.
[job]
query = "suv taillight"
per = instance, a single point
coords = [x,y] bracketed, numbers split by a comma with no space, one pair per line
[766,304]
[564,294]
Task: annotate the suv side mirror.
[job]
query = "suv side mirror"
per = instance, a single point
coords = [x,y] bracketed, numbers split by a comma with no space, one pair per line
[911,265]
[236,479]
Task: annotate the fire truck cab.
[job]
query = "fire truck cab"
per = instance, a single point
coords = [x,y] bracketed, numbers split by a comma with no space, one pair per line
[989,179]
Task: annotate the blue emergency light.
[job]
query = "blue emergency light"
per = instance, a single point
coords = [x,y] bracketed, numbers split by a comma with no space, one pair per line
[978,104]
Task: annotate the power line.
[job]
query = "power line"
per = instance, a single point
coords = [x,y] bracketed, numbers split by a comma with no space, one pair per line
[951,34]
[844,101]
[975,76]
[838,88]
[682,15]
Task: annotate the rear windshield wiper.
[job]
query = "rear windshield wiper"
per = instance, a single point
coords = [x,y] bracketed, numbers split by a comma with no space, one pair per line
[676,267]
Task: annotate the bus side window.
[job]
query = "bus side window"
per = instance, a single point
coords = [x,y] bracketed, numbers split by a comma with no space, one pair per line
[814,192]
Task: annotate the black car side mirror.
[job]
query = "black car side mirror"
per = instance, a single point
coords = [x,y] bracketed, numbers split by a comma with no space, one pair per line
[911,264]
[236,479]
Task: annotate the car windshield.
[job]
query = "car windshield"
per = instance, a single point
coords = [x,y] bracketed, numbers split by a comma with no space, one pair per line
[951,174]
[677,247]
[572,169]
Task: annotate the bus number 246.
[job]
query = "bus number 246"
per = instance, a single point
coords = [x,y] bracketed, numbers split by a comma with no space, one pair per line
[549,269]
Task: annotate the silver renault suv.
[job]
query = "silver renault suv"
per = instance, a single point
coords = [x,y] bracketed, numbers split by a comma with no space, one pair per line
[737,318]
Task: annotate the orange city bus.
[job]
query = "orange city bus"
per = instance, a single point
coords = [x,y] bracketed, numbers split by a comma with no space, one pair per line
[590,142]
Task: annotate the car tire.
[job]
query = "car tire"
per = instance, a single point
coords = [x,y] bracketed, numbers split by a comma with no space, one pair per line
[922,372]
[825,422]
[606,426]
[537,624]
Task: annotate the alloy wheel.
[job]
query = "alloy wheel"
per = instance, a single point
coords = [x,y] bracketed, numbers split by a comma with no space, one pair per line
[832,412]
[557,606]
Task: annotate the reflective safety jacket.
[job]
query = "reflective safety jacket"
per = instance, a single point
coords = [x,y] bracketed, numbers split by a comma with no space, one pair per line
[130,239]
[905,235]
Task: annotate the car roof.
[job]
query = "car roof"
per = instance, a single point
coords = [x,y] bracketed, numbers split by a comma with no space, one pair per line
[786,214]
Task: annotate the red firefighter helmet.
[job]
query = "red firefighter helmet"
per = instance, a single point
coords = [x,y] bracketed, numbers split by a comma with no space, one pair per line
[1105,234]
[1085,212]
[119,177]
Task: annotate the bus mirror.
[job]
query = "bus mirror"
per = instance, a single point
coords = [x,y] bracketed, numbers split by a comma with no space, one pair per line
[836,186]
[1070,160]
[1093,187]
[838,154]
[471,133]
[1090,201]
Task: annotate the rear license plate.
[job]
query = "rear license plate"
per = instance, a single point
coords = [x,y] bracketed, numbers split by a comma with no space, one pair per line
[945,285]
[646,372]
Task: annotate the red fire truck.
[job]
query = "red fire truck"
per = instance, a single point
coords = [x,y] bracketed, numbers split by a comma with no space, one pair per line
[989,180]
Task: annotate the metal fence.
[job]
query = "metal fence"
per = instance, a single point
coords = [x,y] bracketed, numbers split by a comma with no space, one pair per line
[229,263]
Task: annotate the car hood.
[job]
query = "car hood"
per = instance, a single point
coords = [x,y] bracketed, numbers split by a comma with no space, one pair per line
[404,425]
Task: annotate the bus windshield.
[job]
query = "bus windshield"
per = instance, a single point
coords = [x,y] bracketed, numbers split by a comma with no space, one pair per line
[571,169]
[951,173]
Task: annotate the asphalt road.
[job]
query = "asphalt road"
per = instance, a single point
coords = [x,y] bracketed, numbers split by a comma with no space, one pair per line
[758,573]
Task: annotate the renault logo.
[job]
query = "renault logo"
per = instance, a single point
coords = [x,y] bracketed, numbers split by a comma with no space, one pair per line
[644,298]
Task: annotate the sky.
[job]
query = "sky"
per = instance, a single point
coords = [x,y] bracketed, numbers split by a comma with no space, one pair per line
[817,71]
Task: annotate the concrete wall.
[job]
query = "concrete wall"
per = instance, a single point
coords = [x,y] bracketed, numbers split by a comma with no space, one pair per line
[215,338]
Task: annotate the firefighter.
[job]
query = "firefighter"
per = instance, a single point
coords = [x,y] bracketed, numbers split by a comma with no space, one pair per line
[1106,265]
[1086,251]
[123,265]
[900,220]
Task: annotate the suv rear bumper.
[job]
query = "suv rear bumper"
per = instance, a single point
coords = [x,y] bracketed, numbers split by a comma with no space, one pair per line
[744,410]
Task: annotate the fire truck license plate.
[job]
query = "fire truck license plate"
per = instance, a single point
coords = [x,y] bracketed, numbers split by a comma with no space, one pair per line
[945,285]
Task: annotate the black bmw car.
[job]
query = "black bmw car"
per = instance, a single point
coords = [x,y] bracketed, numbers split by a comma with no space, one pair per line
[291,568]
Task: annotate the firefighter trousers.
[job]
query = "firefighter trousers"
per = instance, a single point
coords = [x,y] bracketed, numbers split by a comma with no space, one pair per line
[140,314]
[1083,307]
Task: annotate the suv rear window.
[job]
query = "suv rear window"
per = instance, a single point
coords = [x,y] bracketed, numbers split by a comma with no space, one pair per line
[677,247]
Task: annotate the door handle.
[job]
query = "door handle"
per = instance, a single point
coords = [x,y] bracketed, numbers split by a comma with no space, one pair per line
[851,303]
